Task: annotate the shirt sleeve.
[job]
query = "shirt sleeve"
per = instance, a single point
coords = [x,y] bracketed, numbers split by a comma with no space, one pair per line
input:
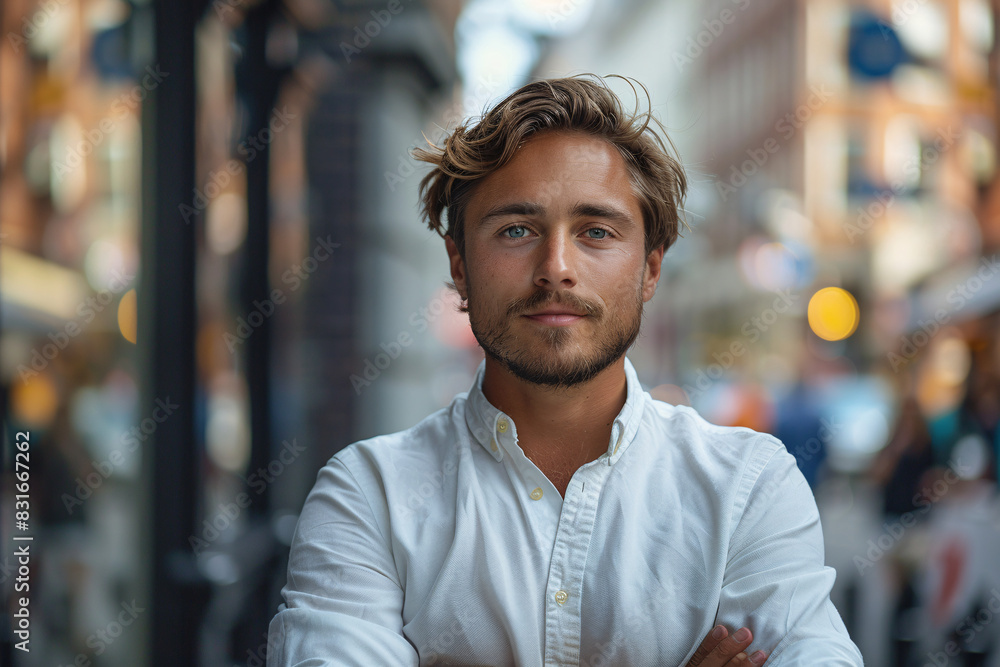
[343,600]
[776,582]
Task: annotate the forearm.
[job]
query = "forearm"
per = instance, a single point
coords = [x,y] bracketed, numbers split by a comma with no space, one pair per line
[776,581]
[343,598]
[303,636]
[817,652]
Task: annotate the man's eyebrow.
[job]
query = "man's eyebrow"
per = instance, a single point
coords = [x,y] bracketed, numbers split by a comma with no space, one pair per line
[584,210]
[514,208]
[581,210]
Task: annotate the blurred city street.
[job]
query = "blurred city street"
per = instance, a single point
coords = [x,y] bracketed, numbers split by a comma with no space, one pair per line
[214,276]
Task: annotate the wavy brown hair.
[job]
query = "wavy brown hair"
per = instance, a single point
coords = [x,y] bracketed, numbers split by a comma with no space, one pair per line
[474,151]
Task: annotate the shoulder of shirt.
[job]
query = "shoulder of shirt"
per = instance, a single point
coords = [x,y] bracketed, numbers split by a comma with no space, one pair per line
[733,457]
[735,442]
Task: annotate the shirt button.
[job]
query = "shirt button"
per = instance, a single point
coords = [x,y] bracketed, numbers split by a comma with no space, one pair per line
[502,425]
[561,597]
[536,494]
[493,444]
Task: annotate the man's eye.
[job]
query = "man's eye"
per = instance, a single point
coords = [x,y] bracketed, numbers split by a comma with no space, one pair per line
[517,232]
[601,233]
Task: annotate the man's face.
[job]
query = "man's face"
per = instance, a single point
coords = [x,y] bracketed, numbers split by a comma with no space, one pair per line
[558,228]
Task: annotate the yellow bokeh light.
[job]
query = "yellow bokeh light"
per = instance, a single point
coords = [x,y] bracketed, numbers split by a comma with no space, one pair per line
[833,313]
[128,316]
[35,400]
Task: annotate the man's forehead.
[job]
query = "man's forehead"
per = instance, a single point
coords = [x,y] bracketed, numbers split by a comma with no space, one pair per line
[569,173]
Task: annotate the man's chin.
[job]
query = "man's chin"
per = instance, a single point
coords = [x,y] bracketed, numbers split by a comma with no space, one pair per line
[542,371]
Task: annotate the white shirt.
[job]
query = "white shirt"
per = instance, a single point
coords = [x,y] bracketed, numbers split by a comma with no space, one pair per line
[444,544]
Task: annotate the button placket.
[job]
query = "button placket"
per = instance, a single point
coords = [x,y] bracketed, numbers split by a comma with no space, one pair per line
[566,569]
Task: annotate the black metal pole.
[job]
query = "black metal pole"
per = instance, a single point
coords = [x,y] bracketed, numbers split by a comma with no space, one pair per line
[167,336]
[257,84]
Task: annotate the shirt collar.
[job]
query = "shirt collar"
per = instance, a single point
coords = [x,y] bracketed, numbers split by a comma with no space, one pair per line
[494,430]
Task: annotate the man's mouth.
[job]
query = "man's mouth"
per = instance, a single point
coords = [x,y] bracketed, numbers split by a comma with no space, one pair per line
[556,318]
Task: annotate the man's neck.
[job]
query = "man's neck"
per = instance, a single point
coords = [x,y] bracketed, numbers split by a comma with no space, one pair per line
[564,427]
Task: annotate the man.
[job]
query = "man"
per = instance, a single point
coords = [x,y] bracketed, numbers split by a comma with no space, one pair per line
[555,513]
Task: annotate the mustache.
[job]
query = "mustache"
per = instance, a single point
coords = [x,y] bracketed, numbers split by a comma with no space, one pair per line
[543,298]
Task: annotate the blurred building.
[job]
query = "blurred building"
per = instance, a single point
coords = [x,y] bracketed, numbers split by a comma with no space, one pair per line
[213,276]
[202,241]
[851,145]
[852,149]
[70,201]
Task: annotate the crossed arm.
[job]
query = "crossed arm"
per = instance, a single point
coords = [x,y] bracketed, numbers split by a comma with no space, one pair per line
[343,597]
[721,649]
[775,578]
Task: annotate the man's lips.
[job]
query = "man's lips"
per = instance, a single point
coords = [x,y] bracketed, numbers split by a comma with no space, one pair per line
[555,317]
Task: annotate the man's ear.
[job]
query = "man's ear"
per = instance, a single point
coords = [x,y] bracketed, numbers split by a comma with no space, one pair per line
[651,273]
[457,264]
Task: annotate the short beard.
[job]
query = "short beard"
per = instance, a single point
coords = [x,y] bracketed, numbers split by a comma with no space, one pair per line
[612,342]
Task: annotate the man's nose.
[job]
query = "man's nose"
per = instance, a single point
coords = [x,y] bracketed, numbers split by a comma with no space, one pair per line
[556,268]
